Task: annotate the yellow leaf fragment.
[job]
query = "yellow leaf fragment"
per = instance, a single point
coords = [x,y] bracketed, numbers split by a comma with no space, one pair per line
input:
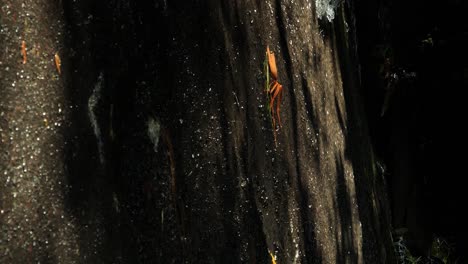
[273,258]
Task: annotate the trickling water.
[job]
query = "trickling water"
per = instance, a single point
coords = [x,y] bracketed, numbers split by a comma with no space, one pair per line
[154,129]
[92,104]
[326,8]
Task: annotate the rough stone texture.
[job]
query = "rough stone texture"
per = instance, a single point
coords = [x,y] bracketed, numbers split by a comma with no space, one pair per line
[214,188]
[36,225]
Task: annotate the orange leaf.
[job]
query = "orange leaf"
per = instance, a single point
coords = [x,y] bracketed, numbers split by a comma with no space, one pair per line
[23,51]
[272,63]
[58,63]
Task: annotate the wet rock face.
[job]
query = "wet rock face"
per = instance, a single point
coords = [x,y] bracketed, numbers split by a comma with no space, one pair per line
[155,143]
[34,113]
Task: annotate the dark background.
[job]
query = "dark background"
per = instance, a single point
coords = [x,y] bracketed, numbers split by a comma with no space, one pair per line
[419,137]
